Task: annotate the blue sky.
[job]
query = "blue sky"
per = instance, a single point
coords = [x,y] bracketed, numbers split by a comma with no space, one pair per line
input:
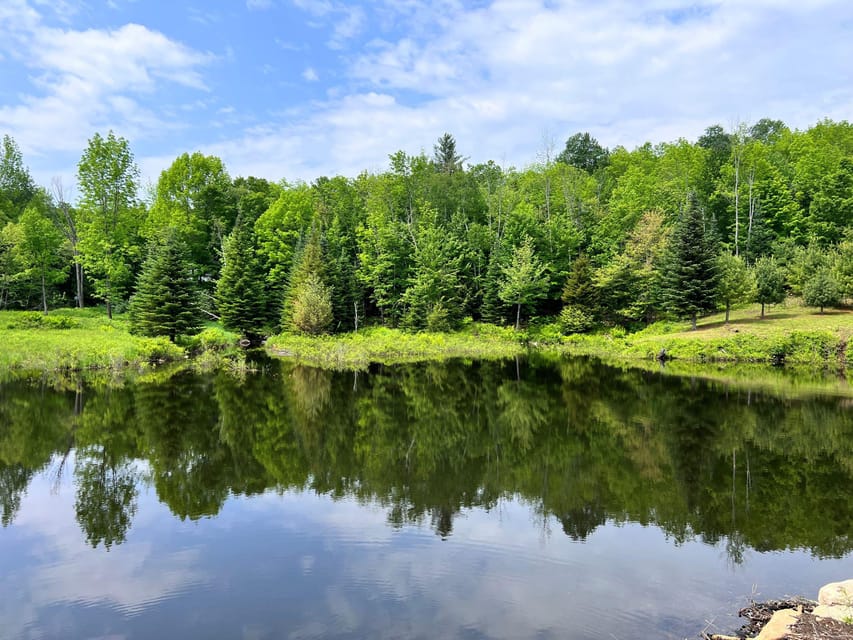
[296,89]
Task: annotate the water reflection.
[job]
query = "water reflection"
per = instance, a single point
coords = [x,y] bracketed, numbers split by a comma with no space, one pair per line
[579,441]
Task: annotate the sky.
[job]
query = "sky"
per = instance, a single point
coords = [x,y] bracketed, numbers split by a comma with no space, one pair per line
[297,89]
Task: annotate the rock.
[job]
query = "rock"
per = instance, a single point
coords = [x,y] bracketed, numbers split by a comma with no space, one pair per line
[836,593]
[777,627]
[835,611]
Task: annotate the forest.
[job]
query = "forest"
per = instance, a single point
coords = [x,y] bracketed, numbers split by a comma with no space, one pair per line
[585,237]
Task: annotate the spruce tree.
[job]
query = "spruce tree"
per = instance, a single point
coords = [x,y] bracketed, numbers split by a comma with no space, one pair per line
[240,290]
[308,265]
[690,270]
[166,300]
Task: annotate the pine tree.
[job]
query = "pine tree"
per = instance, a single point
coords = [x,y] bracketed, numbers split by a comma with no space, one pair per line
[312,306]
[690,270]
[240,290]
[166,300]
[308,265]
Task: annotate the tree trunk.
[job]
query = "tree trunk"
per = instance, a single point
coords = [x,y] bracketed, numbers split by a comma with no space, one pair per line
[109,301]
[762,309]
[728,306]
[78,275]
[43,294]
[518,317]
[693,321]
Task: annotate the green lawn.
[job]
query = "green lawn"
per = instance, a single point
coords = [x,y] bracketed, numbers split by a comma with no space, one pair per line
[788,333]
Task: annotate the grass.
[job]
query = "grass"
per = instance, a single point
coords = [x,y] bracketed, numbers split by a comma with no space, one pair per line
[86,339]
[392,346]
[789,333]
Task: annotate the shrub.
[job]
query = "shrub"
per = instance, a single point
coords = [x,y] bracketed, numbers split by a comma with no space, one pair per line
[575,320]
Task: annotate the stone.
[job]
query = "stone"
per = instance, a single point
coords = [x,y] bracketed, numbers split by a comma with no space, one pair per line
[835,611]
[836,593]
[778,626]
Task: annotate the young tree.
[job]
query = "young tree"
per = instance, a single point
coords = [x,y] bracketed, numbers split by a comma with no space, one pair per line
[524,280]
[312,306]
[65,219]
[445,156]
[735,284]
[821,290]
[240,289]
[166,299]
[769,282]
[108,180]
[40,250]
[309,264]
[690,269]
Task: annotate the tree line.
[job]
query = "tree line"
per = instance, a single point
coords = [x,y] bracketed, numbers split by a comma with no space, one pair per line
[591,236]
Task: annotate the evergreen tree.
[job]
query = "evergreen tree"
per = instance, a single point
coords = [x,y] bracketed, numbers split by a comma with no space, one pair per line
[240,290]
[769,282]
[312,306]
[690,270]
[579,290]
[524,279]
[445,156]
[166,300]
[821,290]
[309,265]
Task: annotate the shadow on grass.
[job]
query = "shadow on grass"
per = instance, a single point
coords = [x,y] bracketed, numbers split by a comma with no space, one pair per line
[754,320]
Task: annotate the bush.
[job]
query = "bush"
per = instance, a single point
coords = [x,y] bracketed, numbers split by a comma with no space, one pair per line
[438,319]
[212,339]
[37,320]
[159,349]
[575,320]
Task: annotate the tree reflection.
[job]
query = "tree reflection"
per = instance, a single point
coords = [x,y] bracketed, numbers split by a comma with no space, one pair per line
[581,442]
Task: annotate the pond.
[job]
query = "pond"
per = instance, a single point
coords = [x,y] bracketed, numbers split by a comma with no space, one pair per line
[543,498]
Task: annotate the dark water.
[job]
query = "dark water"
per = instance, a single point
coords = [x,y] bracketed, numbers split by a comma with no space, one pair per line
[488,500]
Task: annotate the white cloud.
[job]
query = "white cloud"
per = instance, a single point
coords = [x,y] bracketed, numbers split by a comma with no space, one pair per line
[258,5]
[83,81]
[310,74]
[496,76]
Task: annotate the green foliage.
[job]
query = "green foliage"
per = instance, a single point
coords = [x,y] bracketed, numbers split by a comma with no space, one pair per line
[524,279]
[574,319]
[192,197]
[35,320]
[213,339]
[166,299]
[312,306]
[690,272]
[240,290]
[821,290]
[584,152]
[735,284]
[769,282]
[109,216]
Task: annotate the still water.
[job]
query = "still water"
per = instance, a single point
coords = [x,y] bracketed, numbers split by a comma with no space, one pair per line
[533,499]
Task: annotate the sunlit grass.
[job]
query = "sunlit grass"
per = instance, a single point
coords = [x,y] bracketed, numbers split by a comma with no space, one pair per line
[391,346]
[788,333]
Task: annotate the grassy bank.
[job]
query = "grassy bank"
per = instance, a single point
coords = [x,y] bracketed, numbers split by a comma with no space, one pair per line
[390,346]
[87,339]
[789,333]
